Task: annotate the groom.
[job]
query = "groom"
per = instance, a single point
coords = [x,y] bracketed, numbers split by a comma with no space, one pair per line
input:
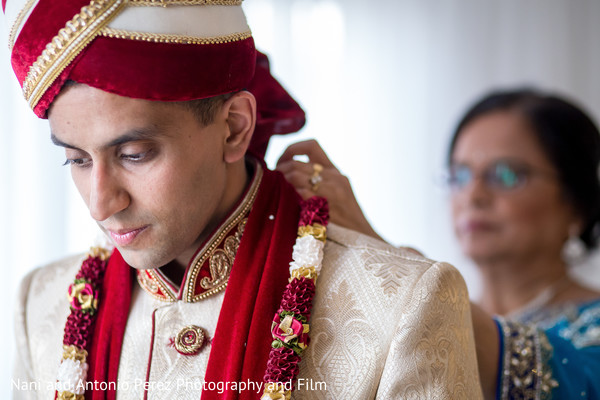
[164,109]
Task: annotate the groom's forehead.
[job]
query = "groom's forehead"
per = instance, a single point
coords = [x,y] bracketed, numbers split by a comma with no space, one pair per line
[108,120]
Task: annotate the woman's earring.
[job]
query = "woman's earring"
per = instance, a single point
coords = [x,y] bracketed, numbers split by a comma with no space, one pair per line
[573,250]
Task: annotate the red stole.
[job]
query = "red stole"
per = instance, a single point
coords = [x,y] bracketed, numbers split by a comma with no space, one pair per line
[105,350]
[242,341]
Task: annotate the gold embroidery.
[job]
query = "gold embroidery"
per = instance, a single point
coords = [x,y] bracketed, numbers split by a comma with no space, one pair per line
[222,260]
[166,3]
[180,39]
[527,373]
[147,283]
[151,282]
[66,45]
[189,340]
[219,281]
[13,30]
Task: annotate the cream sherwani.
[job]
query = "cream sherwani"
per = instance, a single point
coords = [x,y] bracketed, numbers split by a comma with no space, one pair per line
[386,324]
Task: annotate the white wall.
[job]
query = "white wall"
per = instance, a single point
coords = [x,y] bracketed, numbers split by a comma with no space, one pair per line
[383,83]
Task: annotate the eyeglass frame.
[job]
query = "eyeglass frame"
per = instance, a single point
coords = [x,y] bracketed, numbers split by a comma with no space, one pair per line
[523,170]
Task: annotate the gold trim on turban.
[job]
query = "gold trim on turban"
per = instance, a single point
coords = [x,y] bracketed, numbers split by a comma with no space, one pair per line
[166,3]
[66,45]
[164,38]
[12,36]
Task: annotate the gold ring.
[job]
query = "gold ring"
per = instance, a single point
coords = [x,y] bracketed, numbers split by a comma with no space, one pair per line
[316,178]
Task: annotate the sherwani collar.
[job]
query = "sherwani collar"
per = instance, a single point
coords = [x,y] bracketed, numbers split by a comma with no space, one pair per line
[208,271]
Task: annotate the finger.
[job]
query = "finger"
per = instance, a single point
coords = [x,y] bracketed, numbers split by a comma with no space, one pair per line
[298,179]
[293,165]
[294,149]
[305,193]
[328,185]
[306,189]
[310,148]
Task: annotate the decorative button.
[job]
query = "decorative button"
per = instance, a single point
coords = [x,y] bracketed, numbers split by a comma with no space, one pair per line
[190,340]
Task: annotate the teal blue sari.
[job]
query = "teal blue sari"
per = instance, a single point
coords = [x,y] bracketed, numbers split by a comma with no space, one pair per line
[551,354]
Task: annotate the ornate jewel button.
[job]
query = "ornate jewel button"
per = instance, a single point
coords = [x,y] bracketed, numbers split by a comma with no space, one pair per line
[189,340]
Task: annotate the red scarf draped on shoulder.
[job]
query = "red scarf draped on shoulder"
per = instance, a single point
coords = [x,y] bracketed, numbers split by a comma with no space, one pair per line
[242,340]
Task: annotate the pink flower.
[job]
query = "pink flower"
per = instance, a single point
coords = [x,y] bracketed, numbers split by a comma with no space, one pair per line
[314,210]
[83,297]
[286,329]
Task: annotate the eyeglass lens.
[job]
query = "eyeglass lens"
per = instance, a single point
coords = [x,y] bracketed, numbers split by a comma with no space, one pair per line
[500,175]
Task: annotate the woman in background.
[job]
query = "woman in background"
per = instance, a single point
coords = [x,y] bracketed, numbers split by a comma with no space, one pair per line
[525,196]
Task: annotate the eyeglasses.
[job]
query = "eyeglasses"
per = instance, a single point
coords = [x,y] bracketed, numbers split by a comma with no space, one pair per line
[501,176]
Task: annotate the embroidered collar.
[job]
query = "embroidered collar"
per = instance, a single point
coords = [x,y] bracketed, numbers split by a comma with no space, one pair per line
[208,272]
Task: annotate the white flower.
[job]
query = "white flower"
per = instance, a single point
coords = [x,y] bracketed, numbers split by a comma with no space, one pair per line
[308,252]
[71,376]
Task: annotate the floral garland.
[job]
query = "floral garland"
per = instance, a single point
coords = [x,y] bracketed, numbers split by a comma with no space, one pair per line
[83,299]
[289,329]
[290,325]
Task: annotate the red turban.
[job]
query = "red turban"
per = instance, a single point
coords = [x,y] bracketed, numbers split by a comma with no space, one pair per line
[162,50]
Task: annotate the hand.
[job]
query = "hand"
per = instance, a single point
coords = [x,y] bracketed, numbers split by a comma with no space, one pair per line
[335,187]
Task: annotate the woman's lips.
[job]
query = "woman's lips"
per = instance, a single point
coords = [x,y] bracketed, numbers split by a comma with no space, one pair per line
[123,237]
[476,226]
